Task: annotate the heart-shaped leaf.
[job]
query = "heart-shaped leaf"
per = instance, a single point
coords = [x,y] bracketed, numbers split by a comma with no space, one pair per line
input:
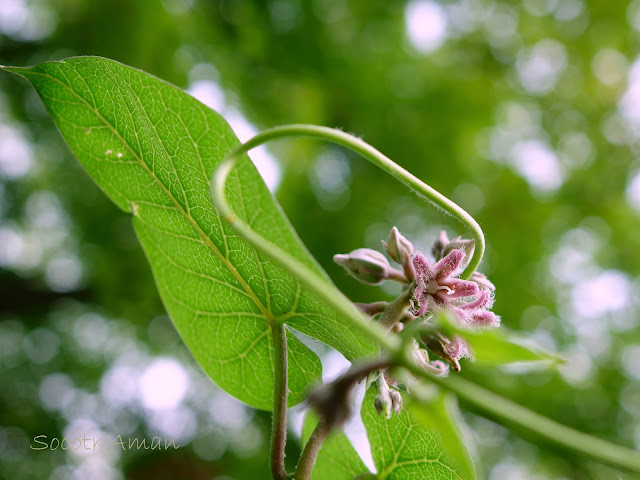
[407,446]
[152,148]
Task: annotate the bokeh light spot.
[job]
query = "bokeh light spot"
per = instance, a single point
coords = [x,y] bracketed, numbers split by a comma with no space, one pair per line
[609,66]
[41,345]
[63,273]
[16,156]
[539,68]
[539,165]
[163,384]
[426,25]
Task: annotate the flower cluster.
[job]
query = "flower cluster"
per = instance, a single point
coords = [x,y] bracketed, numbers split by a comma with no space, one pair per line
[433,287]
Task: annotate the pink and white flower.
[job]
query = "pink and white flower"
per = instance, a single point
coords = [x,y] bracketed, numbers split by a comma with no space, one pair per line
[437,287]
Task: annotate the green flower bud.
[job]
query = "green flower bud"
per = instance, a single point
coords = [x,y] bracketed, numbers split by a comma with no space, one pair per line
[438,246]
[396,401]
[366,265]
[398,247]
[372,377]
[466,245]
[388,400]
[443,246]
[383,404]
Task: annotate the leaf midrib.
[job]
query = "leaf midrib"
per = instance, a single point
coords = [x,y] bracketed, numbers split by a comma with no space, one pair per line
[268,315]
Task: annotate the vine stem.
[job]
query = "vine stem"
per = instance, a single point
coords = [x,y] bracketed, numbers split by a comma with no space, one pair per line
[500,408]
[334,407]
[509,412]
[377,158]
[280,393]
[311,450]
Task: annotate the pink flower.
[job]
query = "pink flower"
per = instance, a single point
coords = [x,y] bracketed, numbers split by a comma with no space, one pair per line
[437,287]
[457,348]
[476,312]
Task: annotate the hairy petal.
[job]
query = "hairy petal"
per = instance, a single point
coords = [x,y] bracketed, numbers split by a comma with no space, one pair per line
[419,300]
[421,267]
[424,304]
[464,316]
[482,281]
[458,289]
[484,318]
[484,300]
[449,264]
[437,367]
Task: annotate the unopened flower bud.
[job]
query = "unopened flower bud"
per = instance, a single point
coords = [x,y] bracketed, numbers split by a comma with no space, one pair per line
[437,343]
[466,245]
[398,247]
[396,401]
[383,404]
[438,246]
[366,265]
[372,377]
[443,246]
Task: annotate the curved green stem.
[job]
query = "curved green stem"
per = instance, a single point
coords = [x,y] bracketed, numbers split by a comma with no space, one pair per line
[374,156]
[498,407]
[280,394]
[320,285]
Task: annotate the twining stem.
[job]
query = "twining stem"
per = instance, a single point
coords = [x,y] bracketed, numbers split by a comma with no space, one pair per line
[311,450]
[501,409]
[321,286]
[280,392]
[377,158]
[333,403]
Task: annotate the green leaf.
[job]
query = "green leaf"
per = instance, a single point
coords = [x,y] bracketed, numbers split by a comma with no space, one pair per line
[501,347]
[408,446]
[440,414]
[152,148]
[337,459]
[498,346]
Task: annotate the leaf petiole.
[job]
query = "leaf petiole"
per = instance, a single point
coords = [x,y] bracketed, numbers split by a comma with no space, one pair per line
[280,394]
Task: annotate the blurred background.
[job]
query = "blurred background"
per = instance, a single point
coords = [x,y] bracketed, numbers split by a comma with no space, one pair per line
[525,113]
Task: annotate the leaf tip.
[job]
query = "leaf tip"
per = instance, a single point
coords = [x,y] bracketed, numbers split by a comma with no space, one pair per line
[16,70]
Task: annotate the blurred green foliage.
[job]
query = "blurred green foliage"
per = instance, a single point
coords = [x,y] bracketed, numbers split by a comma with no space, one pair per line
[524,113]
